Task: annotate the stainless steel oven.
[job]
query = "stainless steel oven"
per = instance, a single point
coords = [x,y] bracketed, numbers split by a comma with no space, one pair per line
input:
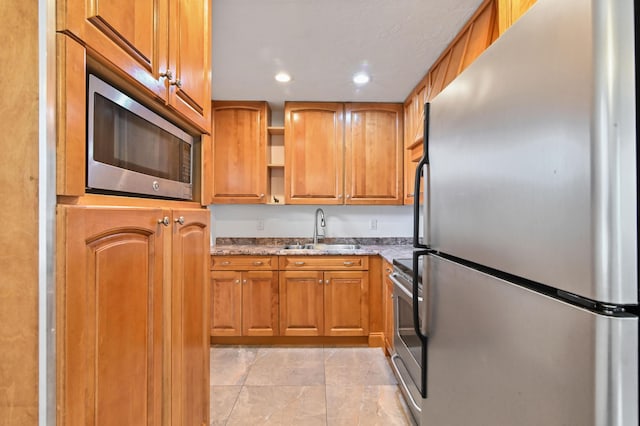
[409,359]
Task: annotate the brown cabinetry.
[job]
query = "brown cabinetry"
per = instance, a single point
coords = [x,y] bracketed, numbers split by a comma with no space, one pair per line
[132,315]
[244,296]
[162,45]
[373,153]
[314,153]
[323,166]
[239,152]
[324,296]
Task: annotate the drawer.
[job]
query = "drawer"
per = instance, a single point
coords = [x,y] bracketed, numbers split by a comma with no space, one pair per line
[244,263]
[324,263]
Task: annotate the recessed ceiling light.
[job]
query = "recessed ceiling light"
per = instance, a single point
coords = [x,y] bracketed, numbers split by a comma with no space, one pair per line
[283,77]
[361,78]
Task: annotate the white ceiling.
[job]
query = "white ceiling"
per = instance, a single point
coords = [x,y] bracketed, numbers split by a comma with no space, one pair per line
[322,43]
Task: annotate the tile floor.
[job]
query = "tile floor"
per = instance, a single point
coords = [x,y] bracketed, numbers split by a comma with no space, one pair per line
[304,386]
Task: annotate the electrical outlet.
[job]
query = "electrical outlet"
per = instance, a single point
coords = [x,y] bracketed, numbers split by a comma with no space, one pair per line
[373,224]
[260,225]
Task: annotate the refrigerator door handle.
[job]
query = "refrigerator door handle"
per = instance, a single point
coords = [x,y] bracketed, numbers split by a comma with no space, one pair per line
[423,164]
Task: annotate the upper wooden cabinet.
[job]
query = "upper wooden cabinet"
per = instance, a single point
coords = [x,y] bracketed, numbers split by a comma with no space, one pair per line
[164,45]
[343,154]
[314,153]
[510,11]
[239,152]
[373,153]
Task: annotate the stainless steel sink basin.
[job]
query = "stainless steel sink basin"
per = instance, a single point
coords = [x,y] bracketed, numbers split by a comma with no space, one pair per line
[328,247]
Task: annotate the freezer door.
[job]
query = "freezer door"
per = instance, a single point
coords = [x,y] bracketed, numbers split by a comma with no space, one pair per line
[533,152]
[500,354]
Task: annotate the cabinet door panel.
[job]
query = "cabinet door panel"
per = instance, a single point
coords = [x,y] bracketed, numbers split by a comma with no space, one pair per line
[374,157]
[301,303]
[239,146]
[260,303]
[190,318]
[130,34]
[226,303]
[313,153]
[190,60]
[346,298]
[110,359]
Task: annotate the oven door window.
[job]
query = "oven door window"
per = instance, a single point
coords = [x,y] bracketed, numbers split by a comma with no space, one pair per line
[125,140]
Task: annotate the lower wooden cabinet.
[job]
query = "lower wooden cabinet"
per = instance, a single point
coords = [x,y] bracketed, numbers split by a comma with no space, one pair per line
[132,316]
[244,303]
[324,303]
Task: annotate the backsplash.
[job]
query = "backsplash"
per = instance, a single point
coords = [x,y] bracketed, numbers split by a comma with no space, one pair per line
[296,222]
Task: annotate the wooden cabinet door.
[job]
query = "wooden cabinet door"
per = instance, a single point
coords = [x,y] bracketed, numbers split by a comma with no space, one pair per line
[190,317]
[130,34]
[110,316]
[346,303]
[239,152]
[226,303]
[314,153]
[260,303]
[190,60]
[374,154]
[301,303]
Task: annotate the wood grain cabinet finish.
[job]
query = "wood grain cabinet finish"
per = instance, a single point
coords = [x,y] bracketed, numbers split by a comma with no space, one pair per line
[244,301]
[130,316]
[239,152]
[322,296]
[314,153]
[373,153]
[190,317]
[363,166]
[163,45]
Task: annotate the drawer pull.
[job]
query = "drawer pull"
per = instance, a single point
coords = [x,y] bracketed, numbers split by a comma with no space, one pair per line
[298,263]
[348,263]
[225,263]
[258,263]
[237,281]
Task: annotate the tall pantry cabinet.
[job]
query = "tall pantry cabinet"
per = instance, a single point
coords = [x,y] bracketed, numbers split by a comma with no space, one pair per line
[132,296]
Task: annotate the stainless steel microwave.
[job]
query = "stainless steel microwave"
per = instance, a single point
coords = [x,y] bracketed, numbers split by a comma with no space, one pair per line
[132,150]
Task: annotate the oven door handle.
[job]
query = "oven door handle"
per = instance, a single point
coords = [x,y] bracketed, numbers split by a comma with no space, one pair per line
[416,315]
[402,288]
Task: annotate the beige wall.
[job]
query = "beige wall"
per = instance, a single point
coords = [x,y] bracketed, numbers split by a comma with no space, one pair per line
[18,197]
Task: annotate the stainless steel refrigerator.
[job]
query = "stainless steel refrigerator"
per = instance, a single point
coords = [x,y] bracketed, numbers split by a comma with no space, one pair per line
[530,313]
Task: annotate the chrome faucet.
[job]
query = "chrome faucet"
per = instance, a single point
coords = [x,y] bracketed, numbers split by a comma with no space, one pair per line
[323,224]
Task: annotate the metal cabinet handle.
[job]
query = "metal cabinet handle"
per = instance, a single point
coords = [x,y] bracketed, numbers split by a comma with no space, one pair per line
[339,196]
[225,263]
[167,74]
[410,195]
[176,83]
[388,271]
[164,221]
[348,263]
[257,263]
[244,281]
[348,196]
[299,263]
[261,195]
[237,281]
[179,220]
[326,282]
[319,281]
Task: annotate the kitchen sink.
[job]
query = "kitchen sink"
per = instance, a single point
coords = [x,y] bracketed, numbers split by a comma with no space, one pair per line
[328,247]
